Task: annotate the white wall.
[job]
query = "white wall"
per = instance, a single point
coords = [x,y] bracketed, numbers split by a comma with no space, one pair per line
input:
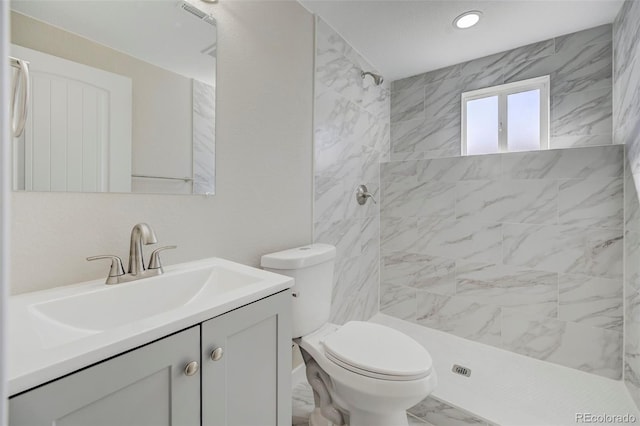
[5,175]
[263,198]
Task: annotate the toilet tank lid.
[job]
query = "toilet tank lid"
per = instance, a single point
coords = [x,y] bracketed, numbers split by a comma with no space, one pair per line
[299,257]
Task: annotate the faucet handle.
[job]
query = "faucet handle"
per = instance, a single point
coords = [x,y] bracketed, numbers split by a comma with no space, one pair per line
[116,270]
[154,261]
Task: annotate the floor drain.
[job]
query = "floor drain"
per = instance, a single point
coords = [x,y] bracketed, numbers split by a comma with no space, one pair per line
[463,371]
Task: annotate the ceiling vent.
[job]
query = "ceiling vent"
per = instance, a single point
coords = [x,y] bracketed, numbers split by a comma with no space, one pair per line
[188,7]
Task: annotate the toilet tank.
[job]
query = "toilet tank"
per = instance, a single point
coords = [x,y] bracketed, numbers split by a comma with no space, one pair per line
[311,267]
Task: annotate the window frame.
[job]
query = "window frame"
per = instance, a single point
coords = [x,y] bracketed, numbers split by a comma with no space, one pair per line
[502,91]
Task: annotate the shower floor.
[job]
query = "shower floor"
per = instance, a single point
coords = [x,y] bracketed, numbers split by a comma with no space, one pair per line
[504,388]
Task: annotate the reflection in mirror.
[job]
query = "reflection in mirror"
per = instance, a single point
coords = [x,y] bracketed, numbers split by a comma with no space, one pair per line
[122,96]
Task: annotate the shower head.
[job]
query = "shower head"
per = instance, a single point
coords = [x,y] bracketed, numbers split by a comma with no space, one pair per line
[377,78]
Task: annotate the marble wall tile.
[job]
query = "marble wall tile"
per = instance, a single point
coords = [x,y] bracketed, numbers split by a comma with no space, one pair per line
[632,254]
[579,64]
[593,162]
[522,218]
[459,239]
[476,167]
[442,74]
[341,130]
[344,234]
[631,201]
[590,251]
[626,87]
[407,105]
[339,125]
[338,67]
[519,201]
[397,170]
[585,348]
[504,260]
[488,67]
[351,138]
[451,151]
[577,141]
[582,113]
[404,156]
[571,69]
[591,301]
[420,135]
[415,82]
[204,138]
[423,272]
[580,39]
[591,202]
[398,301]
[397,234]
[330,203]
[632,343]
[530,291]
[406,198]
[500,275]
[586,69]
[440,413]
[459,315]
[529,52]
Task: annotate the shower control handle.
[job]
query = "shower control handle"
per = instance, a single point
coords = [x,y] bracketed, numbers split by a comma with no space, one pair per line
[362,193]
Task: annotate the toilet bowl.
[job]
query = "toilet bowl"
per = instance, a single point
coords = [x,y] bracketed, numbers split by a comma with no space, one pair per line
[376,372]
[362,374]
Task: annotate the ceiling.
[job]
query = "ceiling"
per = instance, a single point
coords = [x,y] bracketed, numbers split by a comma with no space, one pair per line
[401,38]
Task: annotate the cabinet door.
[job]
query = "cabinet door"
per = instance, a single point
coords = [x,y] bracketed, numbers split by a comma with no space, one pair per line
[144,387]
[250,385]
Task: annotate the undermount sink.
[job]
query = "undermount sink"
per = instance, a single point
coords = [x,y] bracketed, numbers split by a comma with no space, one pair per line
[113,306]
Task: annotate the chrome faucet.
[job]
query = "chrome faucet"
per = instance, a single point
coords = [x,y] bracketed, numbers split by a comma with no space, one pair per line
[140,234]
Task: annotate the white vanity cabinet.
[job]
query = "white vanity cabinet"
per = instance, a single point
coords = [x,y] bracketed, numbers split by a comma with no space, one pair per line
[247,385]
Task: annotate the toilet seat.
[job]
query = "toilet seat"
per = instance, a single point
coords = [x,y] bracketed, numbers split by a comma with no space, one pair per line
[376,351]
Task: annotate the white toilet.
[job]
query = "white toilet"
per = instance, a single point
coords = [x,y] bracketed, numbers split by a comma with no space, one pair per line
[362,374]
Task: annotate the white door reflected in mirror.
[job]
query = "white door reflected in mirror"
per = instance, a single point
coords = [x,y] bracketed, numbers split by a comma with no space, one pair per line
[82,134]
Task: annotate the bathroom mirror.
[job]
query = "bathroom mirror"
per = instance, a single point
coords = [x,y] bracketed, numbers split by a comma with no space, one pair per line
[122,96]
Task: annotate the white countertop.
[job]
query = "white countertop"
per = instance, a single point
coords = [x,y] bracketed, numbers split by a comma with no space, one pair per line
[41,350]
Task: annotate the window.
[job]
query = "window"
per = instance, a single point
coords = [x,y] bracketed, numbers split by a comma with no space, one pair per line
[509,117]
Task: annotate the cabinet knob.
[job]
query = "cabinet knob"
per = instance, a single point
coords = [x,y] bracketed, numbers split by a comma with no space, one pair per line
[216,354]
[191,368]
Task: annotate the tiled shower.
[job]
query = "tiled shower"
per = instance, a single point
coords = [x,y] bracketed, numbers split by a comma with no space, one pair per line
[351,139]
[532,252]
[522,251]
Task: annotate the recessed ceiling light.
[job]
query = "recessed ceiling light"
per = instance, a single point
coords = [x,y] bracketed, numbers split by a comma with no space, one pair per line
[467,19]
